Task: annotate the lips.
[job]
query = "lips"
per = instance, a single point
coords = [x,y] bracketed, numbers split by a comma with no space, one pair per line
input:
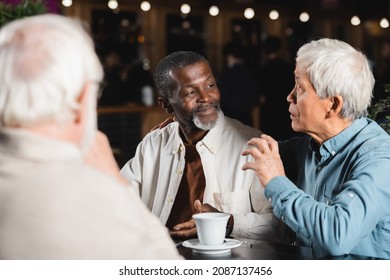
[205,110]
[292,115]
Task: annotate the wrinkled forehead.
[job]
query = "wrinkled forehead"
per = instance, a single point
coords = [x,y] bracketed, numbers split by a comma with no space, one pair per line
[192,73]
[299,70]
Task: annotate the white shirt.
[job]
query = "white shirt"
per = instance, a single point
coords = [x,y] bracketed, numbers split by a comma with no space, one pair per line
[158,165]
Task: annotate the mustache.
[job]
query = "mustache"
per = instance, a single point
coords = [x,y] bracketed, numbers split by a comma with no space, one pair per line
[202,108]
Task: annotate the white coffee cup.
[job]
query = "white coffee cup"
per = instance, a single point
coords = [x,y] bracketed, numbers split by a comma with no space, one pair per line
[211,227]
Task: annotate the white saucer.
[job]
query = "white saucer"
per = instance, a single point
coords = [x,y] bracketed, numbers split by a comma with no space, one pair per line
[224,248]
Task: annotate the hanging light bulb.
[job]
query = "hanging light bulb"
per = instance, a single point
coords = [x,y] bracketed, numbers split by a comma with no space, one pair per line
[355,20]
[185,9]
[384,23]
[274,15]
[112,4]
[145,6]
[213,11]
[67,3]
[304,17]
[249,13]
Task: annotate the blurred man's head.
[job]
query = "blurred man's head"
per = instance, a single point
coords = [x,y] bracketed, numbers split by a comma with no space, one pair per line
[49,77]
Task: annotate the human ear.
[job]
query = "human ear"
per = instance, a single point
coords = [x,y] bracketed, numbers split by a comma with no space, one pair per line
[82,101]
[164,103]
[335,105]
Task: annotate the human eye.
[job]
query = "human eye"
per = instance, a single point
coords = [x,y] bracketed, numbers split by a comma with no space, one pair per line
[190,92]
[299,88]
[211,85]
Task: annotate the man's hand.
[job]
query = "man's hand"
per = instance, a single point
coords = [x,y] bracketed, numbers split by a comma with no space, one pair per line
[268,163]
[188,229]
[99,155]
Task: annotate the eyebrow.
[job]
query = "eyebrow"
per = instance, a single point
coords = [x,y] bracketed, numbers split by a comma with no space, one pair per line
[208,78]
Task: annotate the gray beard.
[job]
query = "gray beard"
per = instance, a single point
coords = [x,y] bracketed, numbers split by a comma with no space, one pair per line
[205,126]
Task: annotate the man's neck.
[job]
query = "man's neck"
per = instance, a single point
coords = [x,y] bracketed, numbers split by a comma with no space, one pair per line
[63,132]
[192,136]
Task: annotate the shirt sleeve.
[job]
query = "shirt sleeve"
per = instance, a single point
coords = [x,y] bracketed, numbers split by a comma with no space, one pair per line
[339,224]
[261,223]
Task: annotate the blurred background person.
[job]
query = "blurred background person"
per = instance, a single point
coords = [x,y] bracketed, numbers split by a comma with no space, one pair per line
[237,84]
[61,194]
[276,79]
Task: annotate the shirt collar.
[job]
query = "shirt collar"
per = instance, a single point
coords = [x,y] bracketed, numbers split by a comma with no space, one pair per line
[26,144]
[210,141]
[212,138]
[333,145]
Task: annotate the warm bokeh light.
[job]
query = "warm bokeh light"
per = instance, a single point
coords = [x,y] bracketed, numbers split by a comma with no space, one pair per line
[274,15]
[213,11]
[185,9]
[112,4]
[384,23]
[355,20]
[249,13]
[145,6]
[304,17]
[67,3]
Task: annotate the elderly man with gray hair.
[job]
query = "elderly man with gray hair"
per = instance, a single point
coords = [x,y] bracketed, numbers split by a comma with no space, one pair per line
[331,186]
[61,194]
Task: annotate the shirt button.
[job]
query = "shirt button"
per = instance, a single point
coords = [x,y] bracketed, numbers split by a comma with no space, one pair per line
[270,199]
[170,200]
[282,217]
[181,148]
[327,202]
[179,171]
[351,195]
[319,168]
[333,153]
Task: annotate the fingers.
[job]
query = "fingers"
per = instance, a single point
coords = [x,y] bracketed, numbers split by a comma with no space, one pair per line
[100,156]
[186,225]
[203,207]
[183,233]
[264,144]
[186,229]
[272,143]
[198,205]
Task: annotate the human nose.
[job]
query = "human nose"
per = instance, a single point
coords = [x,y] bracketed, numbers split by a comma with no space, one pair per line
[203,96]
[292,96]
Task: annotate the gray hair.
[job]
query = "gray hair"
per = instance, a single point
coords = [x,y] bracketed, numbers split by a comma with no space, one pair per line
[336,68]
[45,62]
[172,62]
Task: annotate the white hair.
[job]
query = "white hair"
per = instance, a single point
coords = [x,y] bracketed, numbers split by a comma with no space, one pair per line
[336,68]
[45,62]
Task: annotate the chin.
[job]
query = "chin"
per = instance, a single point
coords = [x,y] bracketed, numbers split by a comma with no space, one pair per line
[208,122]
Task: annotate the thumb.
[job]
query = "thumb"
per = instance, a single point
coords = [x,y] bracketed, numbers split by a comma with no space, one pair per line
[198,205]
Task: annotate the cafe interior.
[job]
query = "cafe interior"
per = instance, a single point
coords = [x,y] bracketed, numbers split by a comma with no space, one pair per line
[131,36]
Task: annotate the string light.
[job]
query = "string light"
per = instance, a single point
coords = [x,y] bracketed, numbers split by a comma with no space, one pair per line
[213,11]
[67,3]
[384,23]
[112,4]
[304,17]
[355,20]
[145,6]
[185,9]
[274,15]
[249,13]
